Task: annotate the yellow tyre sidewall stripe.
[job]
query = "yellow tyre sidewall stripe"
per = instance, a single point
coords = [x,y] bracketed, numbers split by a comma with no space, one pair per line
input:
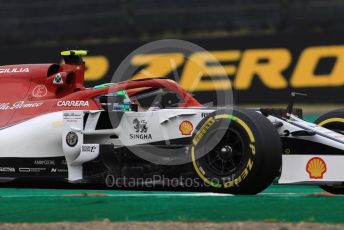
[205,127]
[331,120]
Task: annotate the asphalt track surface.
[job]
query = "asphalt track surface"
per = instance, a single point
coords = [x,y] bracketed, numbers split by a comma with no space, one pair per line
[277,203]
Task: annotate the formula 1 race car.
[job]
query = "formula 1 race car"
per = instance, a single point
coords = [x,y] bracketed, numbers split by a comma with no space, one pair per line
[148,132]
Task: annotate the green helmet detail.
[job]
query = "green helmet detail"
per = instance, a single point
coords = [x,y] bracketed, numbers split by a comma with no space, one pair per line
[121,92]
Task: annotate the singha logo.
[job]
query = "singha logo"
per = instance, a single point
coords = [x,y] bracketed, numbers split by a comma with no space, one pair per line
[140,126]
[141,129]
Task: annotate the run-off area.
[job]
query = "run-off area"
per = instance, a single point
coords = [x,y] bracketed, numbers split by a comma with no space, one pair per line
[277,203]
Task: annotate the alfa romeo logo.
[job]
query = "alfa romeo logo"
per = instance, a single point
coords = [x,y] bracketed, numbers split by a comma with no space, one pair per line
[72,139]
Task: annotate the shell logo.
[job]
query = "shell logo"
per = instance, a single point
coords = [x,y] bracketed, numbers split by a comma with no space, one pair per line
[316,168]
[186,128]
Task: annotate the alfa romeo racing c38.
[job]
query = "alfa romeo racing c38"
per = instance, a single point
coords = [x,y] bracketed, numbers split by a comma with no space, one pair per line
[54,128]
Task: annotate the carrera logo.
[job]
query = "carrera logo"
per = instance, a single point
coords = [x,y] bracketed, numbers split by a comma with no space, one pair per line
[72,103]
[15,70]
[186,128]
[316,168]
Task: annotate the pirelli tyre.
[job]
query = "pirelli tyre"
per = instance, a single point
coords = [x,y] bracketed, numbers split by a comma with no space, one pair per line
[236,151]
[333,120]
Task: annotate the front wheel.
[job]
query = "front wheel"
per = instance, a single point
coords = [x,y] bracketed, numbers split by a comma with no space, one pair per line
[236,151]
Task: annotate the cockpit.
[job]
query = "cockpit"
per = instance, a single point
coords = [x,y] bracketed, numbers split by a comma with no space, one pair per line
[146,99]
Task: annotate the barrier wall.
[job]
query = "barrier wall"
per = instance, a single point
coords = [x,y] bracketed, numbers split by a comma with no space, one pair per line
[261,70]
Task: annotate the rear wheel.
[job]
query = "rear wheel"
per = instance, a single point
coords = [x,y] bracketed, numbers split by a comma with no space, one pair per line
[333,120]
[236,151]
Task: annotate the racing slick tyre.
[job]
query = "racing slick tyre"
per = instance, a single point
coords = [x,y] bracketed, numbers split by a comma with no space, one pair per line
[333,120]
[236,151]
